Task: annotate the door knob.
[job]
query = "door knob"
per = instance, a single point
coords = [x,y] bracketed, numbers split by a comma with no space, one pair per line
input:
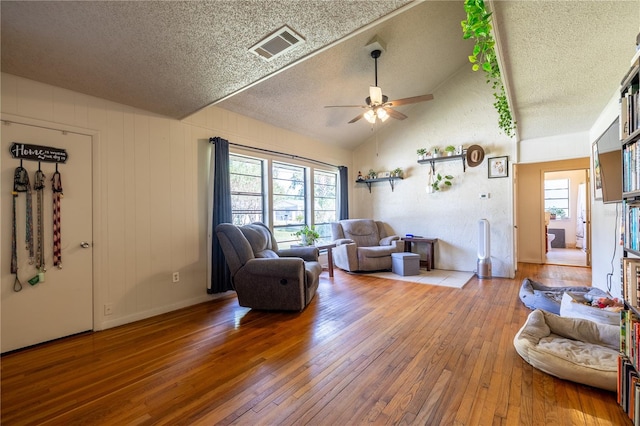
[85,244]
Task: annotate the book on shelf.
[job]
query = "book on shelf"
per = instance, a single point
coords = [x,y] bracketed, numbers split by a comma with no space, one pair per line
[636,406]
[624,119]
[631,281]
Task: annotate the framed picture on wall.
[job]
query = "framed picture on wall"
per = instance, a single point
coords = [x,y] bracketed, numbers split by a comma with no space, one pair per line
[597,176]
[499,167]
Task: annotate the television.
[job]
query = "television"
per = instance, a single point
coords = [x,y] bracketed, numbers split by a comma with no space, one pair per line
[609,159]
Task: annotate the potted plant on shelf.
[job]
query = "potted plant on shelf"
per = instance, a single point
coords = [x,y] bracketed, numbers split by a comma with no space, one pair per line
[440,182]
[450,150]
[307,235]
[556,213]
[397,172]
[436,152]
[422,152]
[372,174]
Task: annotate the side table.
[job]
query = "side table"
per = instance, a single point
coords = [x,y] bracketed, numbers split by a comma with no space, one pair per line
[322,247]
[430,242]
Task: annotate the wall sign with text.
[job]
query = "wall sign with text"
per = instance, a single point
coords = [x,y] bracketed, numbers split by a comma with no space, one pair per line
[45,154]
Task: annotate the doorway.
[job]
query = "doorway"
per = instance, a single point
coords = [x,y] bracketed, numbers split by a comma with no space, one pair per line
[565,211]
[62,303]
[529,200]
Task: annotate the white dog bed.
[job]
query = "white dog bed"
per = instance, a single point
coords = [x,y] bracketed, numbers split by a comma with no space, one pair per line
[570,348]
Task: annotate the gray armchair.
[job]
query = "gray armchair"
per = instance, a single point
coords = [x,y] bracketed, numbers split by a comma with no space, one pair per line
[265,277]
[363,245]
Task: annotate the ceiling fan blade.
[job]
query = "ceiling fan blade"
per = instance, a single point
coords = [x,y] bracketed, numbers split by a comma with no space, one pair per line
[395,114]
[412,100]
[357,118]
[375,94]
[346,106]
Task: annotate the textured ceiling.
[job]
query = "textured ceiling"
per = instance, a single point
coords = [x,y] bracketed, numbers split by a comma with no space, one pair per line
[169,57]
[562,60]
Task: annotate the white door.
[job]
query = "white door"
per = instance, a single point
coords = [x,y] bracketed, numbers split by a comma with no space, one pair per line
[63,304]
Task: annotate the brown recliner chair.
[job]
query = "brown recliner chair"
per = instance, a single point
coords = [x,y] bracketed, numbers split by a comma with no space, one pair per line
[363,245]
[265,277]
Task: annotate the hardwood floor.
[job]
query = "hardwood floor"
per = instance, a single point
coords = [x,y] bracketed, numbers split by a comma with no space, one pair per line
[366,350]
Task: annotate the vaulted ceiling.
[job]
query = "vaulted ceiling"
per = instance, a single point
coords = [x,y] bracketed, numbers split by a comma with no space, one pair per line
[562,60]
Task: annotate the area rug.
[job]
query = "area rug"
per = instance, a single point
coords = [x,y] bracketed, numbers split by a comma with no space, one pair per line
[441,277]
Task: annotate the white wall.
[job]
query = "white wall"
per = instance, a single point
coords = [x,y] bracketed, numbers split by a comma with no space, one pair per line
[558,147]
[605,220]
[460,114]
[152,174]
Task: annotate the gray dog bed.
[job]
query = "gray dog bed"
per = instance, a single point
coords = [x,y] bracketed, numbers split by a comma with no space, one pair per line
[535,295]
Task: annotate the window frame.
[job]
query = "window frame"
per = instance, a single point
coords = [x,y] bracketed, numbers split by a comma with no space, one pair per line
[261,195]
[551,200]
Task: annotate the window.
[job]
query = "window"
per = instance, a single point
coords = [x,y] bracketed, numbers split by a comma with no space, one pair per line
[286,200]
[556,197]
[247,189]
[324,202]
[289,200]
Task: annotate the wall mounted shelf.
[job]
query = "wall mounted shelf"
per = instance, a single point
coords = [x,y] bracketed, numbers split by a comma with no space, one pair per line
[390,179]
[432,161]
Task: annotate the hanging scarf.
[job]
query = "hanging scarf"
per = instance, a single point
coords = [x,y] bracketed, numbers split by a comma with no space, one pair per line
[38,186]
[21,184]
[56,187]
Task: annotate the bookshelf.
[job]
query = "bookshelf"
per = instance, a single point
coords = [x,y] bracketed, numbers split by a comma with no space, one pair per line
[629,358]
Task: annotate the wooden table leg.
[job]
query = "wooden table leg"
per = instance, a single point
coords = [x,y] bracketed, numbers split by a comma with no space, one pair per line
[330,261]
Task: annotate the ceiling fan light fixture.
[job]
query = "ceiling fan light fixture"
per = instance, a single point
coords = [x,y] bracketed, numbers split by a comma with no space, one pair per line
[370,116]
[382,114]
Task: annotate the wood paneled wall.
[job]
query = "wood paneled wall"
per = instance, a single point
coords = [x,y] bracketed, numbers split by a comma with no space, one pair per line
[150,191]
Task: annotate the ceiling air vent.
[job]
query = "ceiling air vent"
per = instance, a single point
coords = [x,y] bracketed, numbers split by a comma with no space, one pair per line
[277,43]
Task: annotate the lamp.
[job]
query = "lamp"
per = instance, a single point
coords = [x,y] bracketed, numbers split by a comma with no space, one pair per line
[376,112]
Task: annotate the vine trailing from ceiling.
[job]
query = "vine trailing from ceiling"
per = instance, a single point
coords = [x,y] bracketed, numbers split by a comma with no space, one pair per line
[477,26]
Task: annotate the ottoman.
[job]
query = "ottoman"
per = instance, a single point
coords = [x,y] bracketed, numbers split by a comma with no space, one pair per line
[405,263]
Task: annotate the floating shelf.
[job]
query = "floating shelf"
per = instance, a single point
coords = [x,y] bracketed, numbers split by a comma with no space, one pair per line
[432,161]
[390,179]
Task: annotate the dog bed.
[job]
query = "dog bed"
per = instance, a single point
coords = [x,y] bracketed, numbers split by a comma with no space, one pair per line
[535,295]
[573,349]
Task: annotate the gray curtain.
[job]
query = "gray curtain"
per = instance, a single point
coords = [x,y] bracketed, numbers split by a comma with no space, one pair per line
[344,193]
[220,276]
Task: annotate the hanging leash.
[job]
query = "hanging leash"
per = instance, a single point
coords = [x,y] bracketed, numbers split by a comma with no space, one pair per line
[38,186]
[17,285]
[20,184]
[56,187]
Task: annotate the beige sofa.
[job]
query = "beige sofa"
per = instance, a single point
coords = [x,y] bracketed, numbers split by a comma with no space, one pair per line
[363,245]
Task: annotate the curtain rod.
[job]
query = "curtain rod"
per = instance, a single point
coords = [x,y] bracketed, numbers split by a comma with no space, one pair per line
[283,154]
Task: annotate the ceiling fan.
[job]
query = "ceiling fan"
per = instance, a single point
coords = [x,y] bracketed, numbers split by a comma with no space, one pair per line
[378,106]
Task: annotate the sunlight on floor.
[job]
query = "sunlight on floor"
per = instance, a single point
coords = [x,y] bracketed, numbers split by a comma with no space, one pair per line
[570,257]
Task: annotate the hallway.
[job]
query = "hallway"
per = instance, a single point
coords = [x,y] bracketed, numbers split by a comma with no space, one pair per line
[567,257]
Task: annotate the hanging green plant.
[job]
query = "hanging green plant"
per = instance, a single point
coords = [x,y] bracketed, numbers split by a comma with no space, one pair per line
[478,27]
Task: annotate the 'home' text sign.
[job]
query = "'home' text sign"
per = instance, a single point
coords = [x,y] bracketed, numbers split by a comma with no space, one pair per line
[47,154]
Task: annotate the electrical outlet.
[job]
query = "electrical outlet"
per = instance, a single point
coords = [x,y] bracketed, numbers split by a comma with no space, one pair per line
[176,277]
[485,195]
[108,309]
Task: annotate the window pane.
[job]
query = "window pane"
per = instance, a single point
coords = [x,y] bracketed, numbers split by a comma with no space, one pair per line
[556,193]
[247,194]
[556,197]
[325,203]
[289,201]
[243,183]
